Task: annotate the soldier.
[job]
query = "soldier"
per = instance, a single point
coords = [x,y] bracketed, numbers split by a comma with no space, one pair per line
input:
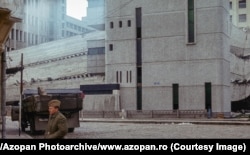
[57,126]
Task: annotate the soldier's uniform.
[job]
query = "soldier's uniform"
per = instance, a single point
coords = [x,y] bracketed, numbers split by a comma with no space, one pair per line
[57,126]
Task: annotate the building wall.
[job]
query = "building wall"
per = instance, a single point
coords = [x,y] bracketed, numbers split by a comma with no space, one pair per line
[96,57]
[166,57]
[56,64]
[73,27]
[239,64]
[240,8]
[95,14]
[43,21]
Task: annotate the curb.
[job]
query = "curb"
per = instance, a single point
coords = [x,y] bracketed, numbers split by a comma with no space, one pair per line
[172,121]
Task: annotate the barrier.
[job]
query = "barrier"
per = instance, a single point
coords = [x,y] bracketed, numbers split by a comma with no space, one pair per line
[202,113]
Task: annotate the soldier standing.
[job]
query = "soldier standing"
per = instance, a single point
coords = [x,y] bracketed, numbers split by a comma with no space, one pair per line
[57,127]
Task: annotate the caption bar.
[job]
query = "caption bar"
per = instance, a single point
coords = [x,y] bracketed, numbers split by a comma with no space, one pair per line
[108,147]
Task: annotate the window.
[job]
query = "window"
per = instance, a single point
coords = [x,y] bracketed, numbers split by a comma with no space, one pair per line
[12,34]
[242,18]
[117,77]
[111,25]
[231,18]
[208,95]
[17,36]
[120,76]
[242,4]
[127,76]
[21,35]
[96,51]
[175,96]
[110,47]
[120,23]
[191,20]
[129,23]
[139,75]
[230,5]
[138,22]
[130,76]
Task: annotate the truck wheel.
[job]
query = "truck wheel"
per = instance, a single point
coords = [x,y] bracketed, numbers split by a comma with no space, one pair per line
[71,129]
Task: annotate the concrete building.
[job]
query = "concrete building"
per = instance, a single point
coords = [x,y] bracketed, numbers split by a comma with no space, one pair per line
[43,21]
[58,64]
[169,54]
[95,14]
[164,55]
[240,13]
[239,68]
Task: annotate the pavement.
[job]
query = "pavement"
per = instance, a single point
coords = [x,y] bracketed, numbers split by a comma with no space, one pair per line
[13,131]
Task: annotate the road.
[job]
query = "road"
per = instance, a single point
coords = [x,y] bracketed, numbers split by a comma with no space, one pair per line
[102,130]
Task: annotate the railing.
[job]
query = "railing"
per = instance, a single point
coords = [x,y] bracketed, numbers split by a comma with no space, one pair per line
[202,113]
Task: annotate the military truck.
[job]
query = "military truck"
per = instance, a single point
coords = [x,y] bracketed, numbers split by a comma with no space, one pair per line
[34,108]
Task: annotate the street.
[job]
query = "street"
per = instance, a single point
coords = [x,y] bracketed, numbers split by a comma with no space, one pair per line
[101,130]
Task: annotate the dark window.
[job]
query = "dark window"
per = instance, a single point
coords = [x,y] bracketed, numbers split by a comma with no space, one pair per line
[138,22]
[191,21]
[138,59]
[130,75]
[97,50]
[12,34]
[242,18]
[127,76]
[138,52]
[138,32]
[117,77]
[230,5]
[208,95]
[139,98]
[120,76]
[110,47]
[17,36]
[111,25]
[120,23]
[175,96]
[242,4]
[139,75]
[129,23]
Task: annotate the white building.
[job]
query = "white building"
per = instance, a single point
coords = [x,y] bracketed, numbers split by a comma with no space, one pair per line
[240,13]
[169,54]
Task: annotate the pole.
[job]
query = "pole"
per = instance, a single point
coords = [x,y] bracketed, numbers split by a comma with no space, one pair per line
[3,89]
[21,95]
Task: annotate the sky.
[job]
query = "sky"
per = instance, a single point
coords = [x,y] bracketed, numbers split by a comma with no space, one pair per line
[77,8]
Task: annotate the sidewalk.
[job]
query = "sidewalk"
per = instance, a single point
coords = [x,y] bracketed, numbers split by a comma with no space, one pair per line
[214,121]
[13,132]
